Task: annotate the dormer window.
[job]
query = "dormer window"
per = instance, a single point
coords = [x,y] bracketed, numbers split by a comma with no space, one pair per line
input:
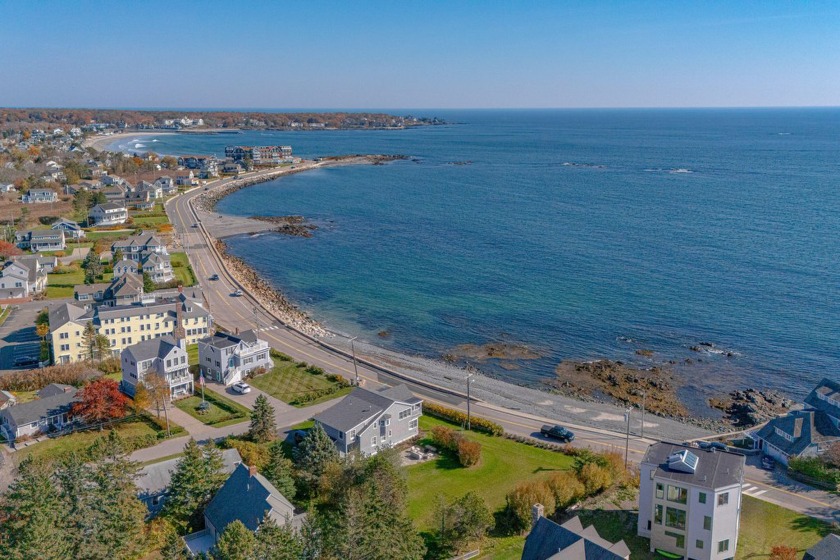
[784,434]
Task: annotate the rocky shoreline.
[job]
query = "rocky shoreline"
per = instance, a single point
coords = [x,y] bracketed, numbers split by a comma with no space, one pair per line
[296,226]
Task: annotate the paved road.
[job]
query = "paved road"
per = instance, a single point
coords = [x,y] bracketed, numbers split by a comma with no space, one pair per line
[17,336]
[246,313]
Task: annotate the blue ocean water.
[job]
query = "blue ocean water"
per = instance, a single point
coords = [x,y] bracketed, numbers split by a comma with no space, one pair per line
[582,234]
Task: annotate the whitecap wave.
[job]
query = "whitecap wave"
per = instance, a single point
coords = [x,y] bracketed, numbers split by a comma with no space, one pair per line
[680,170]
[139,145]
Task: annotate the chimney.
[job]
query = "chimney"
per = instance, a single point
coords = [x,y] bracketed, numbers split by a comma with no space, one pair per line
[180,289]
[236,331]
[252,470]
[537,511]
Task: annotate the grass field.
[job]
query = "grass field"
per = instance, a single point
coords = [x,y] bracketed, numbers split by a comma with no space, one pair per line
[192,354]
[287,381]
[60,292]
[73,279]
[149,221]
[96,235]
[182,269]
[221,412]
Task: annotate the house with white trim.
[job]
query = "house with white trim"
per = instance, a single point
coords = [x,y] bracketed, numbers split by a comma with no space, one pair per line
[228,358]
[108,214]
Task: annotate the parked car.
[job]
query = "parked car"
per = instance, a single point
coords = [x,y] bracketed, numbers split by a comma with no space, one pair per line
[214,277]
[768,463]
[719,446]
[26,361]
[195,225]
[241,388]
[557,432]
[237,293]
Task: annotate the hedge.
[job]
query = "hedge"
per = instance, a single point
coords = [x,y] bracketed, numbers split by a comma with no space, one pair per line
[457,417]
[816,468]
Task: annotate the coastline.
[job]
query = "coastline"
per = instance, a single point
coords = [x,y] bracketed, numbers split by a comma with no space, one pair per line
[100,142]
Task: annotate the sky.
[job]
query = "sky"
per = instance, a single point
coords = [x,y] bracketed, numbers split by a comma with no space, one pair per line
[419,54]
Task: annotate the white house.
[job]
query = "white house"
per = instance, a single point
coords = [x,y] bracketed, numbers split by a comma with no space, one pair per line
[41,239]
[22,279]
[228,358]
[164,356]
[51,410]
[70,228]
[37,196]
[690,501]
[108,214]
[167,185]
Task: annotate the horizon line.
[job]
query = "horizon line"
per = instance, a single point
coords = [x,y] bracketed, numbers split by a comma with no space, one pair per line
[383,109]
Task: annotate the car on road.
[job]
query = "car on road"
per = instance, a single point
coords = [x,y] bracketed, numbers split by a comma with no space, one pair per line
[195,225]
[26,361]
[237,293]
[241,388]
[557,432]
[768,463]
[214,277]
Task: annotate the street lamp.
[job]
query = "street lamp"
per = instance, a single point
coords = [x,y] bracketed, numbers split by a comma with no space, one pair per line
[353,351]
[644,396]
[469,382]
[627,440]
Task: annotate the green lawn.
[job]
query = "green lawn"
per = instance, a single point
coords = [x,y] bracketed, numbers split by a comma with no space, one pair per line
[221,412]
[59,292]
[73,279]
[287,382]
[504,464]
[114,235]
[182,269]
[149,221]
[5,314]
[192,354]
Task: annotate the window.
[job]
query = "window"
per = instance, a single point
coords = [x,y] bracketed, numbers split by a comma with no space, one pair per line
[65,347]
[405,413]
[679,540]
[702,498]
[677,494]
[707,523]
[64,335]
[675,518]
[698,544]
[723,499]
[660,491]
[412,425]
[340,435]
[373,440]
[657,514]
[723,546]
[169,363]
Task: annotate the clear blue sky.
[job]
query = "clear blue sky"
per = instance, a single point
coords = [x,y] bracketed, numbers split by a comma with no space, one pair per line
[424,54]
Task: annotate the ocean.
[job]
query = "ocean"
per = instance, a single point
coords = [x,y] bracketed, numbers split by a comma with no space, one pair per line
[708,237]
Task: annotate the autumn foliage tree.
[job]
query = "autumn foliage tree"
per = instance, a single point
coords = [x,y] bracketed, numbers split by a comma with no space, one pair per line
[100,401]
[9,250]
[783,552]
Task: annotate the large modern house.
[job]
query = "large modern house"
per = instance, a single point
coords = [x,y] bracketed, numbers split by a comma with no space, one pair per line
[569,541]
[228,358]
[246,496]
[690,501]
[51,410]
[163,356]
[40,196]
[41,240]
[108,214]
[366,421]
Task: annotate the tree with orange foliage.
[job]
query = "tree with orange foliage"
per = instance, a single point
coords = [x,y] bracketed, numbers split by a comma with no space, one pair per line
[100,401]
[9,250]
[783,552]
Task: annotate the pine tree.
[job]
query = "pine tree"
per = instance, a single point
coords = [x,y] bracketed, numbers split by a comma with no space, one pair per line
[263,424]
[148,284]
[197,476]
[236,543]
[173,546]
[277,542]
[278,471]
[88,339]
[33,516]
[315,452]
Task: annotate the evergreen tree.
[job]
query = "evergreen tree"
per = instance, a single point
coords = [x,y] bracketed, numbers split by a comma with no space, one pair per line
[236,543]
[263,424]
[278,471]
[315,452]
[117,256]
[89,339]
[93,267]
[173,545]
[277,542]
[197,476]
[148,284]
[33,516]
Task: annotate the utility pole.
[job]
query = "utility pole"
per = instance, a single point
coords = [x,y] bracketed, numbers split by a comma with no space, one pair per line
[644,396]
[353,351]
[469,381]
[627,440]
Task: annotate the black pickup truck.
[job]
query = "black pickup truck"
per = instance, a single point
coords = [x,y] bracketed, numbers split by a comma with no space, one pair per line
[558,433]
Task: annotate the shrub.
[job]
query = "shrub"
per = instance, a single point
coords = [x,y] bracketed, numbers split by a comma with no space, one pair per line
[469,452]
[252,453]
[458,417]
[276,354]
[815,468]
[339,380]
[314,370]
[566,488]
[110,365]
[520,499]
[595,478]
[444,438]
[34,379]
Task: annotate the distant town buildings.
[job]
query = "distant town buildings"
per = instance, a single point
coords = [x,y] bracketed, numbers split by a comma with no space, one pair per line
[260,155]
[690,501]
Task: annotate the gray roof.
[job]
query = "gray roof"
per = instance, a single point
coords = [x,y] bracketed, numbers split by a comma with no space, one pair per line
[142,239]
[52,404]
[65,312]
[400,393]
[715,469]
[65,222]
[806,426]
[359,407]
[109,206]
[226,340]
[153,348]
[570,541]
[830,403]
[119,311]
[826,549]
[49,234]
[154,479]
[247,498]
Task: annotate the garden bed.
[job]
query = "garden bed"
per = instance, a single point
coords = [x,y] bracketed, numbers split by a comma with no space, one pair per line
[220,410]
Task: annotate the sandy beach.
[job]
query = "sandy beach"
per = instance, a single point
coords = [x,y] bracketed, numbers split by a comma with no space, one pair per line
[100,142]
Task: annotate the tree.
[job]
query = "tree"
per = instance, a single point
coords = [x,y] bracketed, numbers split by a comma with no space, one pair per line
[43,330]
[783,552]
[101,346]
[277,542]
[117,256]
[313,455]
[173,545]
[148,284]
[263,424]
[197,476]
[159,391]
[142,399]
[236,543]
[93,267]
[567,489]
[100,401]
[278,471]
[461,522]
[522,497]
[9,250]
[33,515]
[89,338]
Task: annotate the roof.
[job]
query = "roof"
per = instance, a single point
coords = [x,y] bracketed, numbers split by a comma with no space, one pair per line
[830,402]
[46,234]
[359,407]
[105,206]
[126,263]
[826,549]
[65,222]
[248,498]
[118,311]
[226,340]
[54,389]
[570,541]
[64,313]
[128,284]
[154,479]
[715,469]
[142,239]
[808,427]
[153,348]
[53,403]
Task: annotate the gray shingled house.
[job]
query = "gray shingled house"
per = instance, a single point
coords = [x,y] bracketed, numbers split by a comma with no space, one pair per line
[51,410]
[246,496]
[826,549]
[367,421]
[569,541]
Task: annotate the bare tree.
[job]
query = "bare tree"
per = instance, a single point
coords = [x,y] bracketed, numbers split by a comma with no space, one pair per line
[159,393]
